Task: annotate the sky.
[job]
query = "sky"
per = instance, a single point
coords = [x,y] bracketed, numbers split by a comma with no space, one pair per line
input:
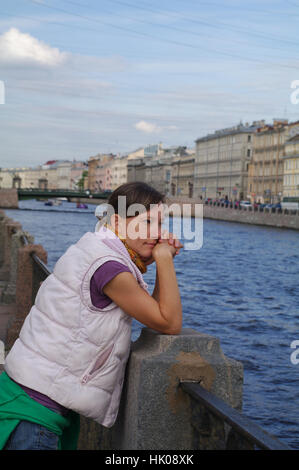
[84,77]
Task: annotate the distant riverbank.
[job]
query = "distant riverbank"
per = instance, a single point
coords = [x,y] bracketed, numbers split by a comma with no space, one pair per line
[266,217]
[278,219]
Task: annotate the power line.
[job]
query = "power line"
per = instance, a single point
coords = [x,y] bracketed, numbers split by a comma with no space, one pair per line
[201,22]
[227,54]
[204,22]
[121,28]
[253,10]
[173,28]
[79,27]
[56,23]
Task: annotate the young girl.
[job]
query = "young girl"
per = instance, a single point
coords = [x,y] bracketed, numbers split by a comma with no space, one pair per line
[72,350]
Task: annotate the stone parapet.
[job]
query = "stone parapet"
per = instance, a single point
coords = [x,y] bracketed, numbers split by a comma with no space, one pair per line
[9,198]
[9,292]
[155,413]
[267,217]
[8,228]
[27,280]
[283,219]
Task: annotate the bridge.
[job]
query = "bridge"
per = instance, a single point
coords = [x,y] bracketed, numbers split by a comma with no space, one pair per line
[34,193]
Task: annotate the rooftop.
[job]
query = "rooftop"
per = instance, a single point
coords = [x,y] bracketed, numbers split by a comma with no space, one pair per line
[238,129]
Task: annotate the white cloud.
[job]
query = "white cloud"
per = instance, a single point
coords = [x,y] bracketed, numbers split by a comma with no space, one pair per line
[150,128]
[147,127]
[19,49]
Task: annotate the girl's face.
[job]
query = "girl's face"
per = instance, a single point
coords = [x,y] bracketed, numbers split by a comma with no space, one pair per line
[144,230]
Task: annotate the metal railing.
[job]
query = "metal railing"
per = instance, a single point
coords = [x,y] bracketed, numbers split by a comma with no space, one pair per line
[268,210]
[251,433]
[68,193]
[40,270]
[44,268]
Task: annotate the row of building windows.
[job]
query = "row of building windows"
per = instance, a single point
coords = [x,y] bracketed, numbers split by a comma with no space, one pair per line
[223,155]
[267,171]
[291,164]
[264,140]
[290,180]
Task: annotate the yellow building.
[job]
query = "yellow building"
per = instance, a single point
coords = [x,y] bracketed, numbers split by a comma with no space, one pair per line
[139,153]
[265,171]
[291,167]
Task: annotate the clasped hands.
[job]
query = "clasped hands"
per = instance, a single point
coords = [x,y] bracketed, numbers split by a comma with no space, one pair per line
[167,237]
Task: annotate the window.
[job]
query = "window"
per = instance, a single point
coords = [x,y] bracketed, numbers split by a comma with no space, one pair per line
[249,138]
[248,152]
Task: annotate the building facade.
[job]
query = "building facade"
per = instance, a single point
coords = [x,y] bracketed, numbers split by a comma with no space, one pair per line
[171,172]
[266,169]
[54,174]
[119,171]
[138,153]
[221,162]
[77,171]
[182,176]
[99,172]
[291,164]
[136,170]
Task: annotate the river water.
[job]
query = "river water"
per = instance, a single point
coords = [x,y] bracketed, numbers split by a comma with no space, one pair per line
[241,286]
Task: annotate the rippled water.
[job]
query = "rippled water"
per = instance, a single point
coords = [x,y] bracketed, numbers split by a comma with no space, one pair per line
[241,286]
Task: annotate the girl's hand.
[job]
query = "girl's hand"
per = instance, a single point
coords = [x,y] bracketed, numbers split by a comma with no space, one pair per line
[171,238]
[169,243]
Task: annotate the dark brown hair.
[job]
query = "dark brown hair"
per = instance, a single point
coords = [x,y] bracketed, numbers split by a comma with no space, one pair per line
[136,192]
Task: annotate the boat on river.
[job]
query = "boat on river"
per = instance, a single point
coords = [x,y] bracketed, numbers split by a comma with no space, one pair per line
[53,202]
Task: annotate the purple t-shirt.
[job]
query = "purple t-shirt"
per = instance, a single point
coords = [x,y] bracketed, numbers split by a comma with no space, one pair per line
[102,275]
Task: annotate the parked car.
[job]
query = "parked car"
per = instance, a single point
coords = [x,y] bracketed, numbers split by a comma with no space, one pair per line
[245,204]
[290,205]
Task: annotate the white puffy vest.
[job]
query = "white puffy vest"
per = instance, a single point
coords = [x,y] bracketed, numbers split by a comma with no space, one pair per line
[68,349]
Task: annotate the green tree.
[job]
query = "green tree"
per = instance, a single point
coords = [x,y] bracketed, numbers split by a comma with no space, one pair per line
[80,183]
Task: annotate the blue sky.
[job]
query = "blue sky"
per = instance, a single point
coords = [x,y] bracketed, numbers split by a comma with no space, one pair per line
[83,77]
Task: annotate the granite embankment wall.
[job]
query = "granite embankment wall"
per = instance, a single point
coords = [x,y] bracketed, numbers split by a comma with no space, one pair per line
[9,199]
[267,217]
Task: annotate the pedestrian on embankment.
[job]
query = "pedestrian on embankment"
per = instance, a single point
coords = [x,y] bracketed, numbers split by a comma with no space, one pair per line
[71,353]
